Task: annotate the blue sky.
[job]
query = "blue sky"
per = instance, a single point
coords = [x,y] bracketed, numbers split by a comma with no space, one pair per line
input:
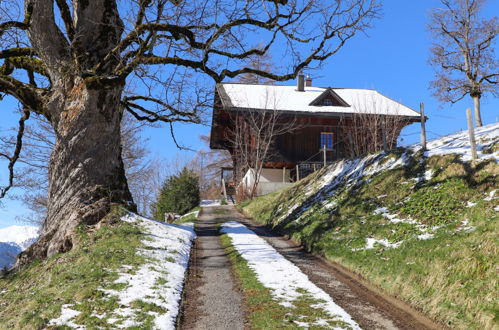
[392,58]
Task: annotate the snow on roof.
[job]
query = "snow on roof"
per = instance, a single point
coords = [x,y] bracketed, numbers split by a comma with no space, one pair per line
[287,98]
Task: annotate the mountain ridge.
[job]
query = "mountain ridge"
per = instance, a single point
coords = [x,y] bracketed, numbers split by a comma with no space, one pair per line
[13,240]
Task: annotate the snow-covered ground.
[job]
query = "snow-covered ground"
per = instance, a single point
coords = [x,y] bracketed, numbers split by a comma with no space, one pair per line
[159,281]
[459,143]
[13,240]
[283,278]
[195,213]
[208,202]
[349,172]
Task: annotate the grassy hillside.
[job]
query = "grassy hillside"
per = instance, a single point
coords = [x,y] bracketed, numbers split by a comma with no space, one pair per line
[117,275]
[421,226]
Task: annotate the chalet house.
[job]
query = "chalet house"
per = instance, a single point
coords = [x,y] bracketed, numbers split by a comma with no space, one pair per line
[331,123]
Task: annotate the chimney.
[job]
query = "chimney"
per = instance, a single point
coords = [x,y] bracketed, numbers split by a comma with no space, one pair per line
[308,81]
[301,83]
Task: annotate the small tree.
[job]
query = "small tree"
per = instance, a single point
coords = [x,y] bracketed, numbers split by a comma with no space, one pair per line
[262,63]
[252,135]
[180,194]
[370,129]
[464,52]
[207,163]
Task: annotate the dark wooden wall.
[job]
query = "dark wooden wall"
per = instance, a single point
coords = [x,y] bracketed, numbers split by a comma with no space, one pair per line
[304,144]
[300,145]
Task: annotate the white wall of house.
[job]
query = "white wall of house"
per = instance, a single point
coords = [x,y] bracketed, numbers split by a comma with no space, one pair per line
[271,179]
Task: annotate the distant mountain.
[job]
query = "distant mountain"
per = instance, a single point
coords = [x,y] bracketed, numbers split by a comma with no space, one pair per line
[13,240]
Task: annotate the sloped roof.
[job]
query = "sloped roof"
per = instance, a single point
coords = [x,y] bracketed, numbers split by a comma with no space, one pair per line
[288,98]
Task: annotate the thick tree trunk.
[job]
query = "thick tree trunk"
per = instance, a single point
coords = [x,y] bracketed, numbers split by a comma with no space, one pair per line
[86,172]
[478,115]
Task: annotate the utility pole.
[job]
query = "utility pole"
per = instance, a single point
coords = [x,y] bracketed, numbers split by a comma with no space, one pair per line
[423,126]
[471,133]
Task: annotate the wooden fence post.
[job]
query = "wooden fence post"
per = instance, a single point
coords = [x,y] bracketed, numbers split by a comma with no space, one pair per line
[224,189]
[324,155]
[297,173]
[283,174]
[423,126]
[471,133]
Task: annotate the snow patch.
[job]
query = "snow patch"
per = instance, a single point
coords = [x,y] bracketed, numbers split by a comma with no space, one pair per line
[168,250]
[65,319]
[464,226]
[371,242]
[278,274]
[459,144]
[470,204]
[393,218]
[159,281]
[195,213]
[208,202]
[425,236]
[490,196]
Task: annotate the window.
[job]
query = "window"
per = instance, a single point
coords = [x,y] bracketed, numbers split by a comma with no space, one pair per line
[327,140]
[327,102]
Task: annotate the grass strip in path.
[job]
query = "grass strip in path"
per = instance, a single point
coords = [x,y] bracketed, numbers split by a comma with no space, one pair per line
[292,303]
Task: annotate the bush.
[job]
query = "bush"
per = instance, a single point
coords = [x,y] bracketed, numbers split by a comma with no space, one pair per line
[179,194]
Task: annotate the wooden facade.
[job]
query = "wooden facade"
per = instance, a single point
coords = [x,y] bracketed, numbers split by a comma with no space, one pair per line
[303,144]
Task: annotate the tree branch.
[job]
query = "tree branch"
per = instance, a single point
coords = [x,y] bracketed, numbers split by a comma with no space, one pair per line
[29,96]
[18,51]
[25,62]
[24,25]
[152,116]
[17,151]
[46,37]
[66,18]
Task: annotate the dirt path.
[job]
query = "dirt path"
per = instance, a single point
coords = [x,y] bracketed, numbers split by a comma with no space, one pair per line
[211,298]
[370,309]
[212,301]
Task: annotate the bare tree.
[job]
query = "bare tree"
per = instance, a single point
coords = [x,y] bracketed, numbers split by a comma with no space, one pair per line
[81,64]
[252,135]
[370,128]
[463,52]
[261,63]
[207,164]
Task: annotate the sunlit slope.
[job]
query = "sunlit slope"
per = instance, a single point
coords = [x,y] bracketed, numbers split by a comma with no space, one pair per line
[420,225]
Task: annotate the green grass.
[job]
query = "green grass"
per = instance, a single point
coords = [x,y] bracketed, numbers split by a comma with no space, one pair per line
[189,217]
[264,311]
[33,296]
[451,277]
